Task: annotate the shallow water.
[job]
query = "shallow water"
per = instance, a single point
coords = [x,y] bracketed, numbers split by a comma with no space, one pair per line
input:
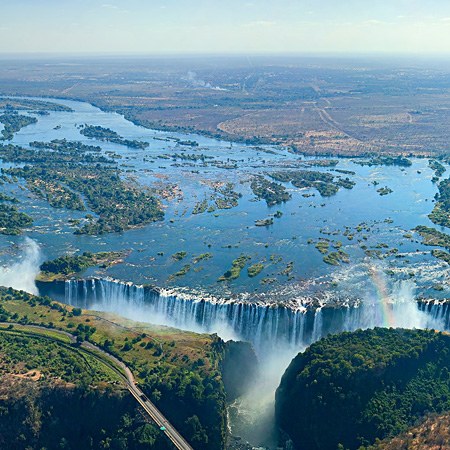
[229,233]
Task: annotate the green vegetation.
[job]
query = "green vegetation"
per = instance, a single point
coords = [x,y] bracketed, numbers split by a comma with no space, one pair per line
[225,197]
[431,236]
[56,194]
[63,176]
[272,193]
[441,255]
[264,222]
[105,134]
[384,160]
[202,257]
[70,265]
[12,221]
[345,172]
[178,256]
[190,157]
[278,215]
[384,380]
[324,182]
[40,409]
[12,104]
[288,269]
[200,207]
[187,143]
[334,258]
[255,269]
[65,146]
[13,123]
[384,191]
[7,198]
[320,163]
[441,212]
[323,246]
[183,271]
[236,266]
[438,168]
[179,371]
[31,357]
[55,154]
[346,183]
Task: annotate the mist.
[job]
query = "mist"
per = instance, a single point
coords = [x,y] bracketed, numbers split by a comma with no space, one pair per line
[21,274]
[277,334]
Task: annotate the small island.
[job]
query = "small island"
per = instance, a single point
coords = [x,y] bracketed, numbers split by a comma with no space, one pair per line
[272,193]
[236,266]
[70,265]
[13,123]
[106,134]
[12,221]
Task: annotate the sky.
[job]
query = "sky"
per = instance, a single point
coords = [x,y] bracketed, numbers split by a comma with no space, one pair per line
[225,26]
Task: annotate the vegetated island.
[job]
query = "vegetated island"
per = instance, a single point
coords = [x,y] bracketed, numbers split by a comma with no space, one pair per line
[438,168]
[441,212]
[255,269]
[56,390]
[433,237]
[83,179]
[71,265]
[440,254]
[272,193]
[12,221]
[106,134]
[25,104]
[324,182]
[236,267]
[384,160]
[385,190]
[13,123]
[384,379]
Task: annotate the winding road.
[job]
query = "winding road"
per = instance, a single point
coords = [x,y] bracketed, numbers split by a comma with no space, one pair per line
[113,363]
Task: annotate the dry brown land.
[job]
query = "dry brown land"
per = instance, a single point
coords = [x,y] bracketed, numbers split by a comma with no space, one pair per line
[433,434]
[313,106]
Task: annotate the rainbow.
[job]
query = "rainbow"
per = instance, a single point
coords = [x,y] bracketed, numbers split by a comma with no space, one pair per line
[383,297]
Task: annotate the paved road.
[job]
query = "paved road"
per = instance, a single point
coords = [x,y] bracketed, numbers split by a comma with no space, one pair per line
[155,414]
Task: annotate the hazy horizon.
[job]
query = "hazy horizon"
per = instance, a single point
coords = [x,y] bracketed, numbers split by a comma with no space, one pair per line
[178,27]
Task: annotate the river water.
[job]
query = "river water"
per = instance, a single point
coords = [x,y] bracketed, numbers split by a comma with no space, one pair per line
[386,284]
[375,222]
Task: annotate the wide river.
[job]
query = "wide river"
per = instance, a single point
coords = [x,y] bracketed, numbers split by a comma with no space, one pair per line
[373,229]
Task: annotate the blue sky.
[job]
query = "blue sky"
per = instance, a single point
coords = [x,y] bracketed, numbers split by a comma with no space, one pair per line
[213,26]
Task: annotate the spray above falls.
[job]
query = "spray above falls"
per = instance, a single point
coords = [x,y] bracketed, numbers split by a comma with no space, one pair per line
[22,273]
[265,326]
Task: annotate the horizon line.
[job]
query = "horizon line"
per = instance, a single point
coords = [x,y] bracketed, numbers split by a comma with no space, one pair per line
[172,54]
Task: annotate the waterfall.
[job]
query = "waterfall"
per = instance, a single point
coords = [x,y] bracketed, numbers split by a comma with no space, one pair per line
[266,326]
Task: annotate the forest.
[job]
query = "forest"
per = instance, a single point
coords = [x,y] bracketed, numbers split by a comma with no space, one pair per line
[71,174]
[187,375]
[352,388]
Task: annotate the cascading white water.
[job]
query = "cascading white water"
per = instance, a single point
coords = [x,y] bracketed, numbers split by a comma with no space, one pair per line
[264,326]
[276,332]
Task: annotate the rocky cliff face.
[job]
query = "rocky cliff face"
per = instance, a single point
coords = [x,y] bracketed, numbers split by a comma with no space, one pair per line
[239,368]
